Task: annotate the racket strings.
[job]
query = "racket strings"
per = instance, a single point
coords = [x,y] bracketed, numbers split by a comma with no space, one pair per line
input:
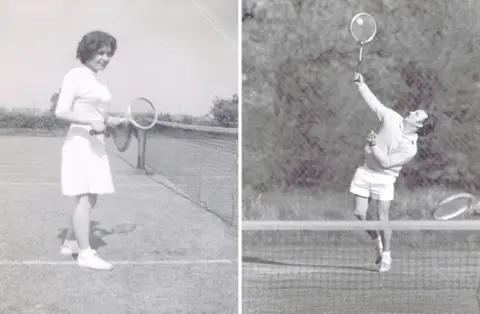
[363,28]
[142,113]
[122,136]
[454,206]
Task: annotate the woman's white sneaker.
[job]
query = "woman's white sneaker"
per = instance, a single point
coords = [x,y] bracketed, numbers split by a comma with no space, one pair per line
[89,258]
[69,247]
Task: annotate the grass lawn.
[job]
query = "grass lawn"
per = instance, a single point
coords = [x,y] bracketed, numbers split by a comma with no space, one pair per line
[177,260]
[316,204]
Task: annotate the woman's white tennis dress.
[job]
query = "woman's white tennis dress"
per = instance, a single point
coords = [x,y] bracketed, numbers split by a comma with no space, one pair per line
[85,165]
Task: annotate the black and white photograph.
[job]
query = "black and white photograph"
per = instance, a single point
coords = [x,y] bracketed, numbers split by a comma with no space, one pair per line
[119,167]
[360,156]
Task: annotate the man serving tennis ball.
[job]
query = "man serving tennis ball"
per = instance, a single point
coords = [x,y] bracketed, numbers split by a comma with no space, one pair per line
[386,151]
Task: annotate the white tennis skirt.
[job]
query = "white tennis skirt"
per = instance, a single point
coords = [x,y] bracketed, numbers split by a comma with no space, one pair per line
[85,166]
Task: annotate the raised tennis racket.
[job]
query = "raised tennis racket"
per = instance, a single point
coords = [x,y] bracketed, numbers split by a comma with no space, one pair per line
[141,113]
[363,29]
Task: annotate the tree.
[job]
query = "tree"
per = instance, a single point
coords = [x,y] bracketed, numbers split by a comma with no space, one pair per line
[225,111]
[299,64]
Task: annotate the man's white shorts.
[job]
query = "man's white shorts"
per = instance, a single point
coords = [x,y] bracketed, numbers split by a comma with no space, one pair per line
[378,186]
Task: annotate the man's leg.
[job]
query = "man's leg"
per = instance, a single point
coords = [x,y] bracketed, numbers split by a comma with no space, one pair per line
[362,213]
[383,215]
[361,189]
[385,199]
[360,210]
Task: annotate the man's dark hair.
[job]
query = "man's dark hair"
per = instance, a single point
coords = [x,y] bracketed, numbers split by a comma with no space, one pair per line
[428,125]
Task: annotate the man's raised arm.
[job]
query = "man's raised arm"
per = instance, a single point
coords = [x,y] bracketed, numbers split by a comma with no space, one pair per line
[372,101]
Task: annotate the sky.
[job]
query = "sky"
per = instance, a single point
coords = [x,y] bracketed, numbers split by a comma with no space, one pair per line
[180,54]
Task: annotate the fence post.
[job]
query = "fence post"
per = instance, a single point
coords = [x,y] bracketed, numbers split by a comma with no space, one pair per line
[142,143]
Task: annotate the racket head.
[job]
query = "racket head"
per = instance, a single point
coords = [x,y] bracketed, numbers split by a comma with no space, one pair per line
[122,136]
[363,27]
[142,113]
[453,206]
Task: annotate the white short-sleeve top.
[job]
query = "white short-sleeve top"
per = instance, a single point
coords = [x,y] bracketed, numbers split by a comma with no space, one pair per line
[81,91]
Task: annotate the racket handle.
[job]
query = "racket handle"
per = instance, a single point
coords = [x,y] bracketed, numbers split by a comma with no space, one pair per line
[358,69]
[92,132]
[360,58]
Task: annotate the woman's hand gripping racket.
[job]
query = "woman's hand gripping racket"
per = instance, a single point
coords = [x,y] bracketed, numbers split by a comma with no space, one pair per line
[141,113]
[363,28]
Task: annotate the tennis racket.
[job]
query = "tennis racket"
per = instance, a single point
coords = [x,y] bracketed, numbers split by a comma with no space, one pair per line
[460,203]
[363,28]
[141,113]
[454,206]
[122,136]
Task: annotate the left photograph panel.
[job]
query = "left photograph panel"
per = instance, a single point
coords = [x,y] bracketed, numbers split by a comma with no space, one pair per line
[120,166]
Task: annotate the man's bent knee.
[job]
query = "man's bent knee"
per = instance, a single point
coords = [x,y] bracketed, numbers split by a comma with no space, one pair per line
[360,206]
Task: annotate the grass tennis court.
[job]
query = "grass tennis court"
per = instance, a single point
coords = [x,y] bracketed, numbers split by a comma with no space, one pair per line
[177,260]
[332,271]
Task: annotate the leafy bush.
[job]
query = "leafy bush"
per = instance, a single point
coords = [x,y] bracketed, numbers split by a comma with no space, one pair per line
[304,122]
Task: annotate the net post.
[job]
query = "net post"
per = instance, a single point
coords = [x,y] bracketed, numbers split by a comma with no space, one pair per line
[142,143]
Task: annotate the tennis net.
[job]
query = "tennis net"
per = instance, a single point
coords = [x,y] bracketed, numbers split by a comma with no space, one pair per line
[328,267]
[200,162]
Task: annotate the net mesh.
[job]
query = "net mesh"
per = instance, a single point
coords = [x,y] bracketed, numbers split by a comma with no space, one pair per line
[328,267]
[200,162]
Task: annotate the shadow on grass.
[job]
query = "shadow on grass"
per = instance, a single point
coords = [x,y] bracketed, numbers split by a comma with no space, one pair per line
[259,260]
[97,234]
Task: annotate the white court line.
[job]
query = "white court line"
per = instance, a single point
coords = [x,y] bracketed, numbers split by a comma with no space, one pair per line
[128,263]
[29,174]
[202,13]
[22,165]
[58,184]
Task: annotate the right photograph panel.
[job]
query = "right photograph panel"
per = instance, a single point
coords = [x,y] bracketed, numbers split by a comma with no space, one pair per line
[360,156]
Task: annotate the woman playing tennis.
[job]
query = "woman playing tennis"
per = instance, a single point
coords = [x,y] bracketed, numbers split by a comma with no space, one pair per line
[85,171]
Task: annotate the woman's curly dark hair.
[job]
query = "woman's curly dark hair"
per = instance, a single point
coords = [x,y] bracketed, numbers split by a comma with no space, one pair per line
[94,41]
